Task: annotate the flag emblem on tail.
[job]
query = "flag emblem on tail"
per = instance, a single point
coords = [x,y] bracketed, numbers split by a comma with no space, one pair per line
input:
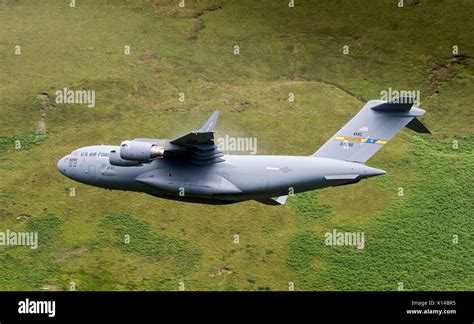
[361,140]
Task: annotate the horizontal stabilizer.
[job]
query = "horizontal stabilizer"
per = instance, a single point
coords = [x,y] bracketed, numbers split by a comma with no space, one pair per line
[398,104]
[417,126]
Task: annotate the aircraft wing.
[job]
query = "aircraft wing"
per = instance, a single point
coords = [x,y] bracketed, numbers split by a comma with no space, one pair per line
[197,147]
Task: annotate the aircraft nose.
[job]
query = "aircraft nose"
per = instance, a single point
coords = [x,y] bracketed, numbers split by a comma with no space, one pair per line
[62,164]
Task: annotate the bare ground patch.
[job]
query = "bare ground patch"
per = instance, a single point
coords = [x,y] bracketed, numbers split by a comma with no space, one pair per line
[23,217]
[149,58]
[237,105]
[444,71]
[197,27]
[49,288]
[222,271]
[72,252]
[139,90]
[45,104]
[189,10]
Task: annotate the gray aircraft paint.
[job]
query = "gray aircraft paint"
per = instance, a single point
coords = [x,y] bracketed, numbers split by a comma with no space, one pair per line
[195,171]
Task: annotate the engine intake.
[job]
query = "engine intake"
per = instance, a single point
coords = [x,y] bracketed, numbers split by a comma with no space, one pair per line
[140,151]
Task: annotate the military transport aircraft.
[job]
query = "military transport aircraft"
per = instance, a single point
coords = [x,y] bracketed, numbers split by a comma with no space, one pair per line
[191,168]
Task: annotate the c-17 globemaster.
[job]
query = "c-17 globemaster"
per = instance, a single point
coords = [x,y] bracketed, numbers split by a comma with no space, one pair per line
[191,168]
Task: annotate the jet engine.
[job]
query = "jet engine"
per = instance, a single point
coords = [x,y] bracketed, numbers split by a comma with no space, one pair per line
[140,150]
[115,159]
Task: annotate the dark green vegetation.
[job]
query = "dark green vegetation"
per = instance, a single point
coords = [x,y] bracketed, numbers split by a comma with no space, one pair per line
[409,238]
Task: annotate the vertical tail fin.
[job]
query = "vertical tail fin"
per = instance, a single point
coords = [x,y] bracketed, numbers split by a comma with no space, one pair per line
[369,130]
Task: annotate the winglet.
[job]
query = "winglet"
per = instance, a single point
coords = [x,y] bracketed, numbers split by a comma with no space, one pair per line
[273,201]
[210,125]
[281,200]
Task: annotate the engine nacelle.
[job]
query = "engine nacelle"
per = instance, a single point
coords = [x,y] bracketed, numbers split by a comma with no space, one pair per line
[140,150]
[115,159]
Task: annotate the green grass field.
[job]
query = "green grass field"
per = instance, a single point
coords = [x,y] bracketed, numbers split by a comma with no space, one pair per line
[190,50]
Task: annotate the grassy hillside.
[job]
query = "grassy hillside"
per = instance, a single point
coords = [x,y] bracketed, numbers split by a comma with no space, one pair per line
[173,50]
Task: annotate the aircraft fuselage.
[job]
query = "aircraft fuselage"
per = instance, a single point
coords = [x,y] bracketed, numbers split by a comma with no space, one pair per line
[238,178]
